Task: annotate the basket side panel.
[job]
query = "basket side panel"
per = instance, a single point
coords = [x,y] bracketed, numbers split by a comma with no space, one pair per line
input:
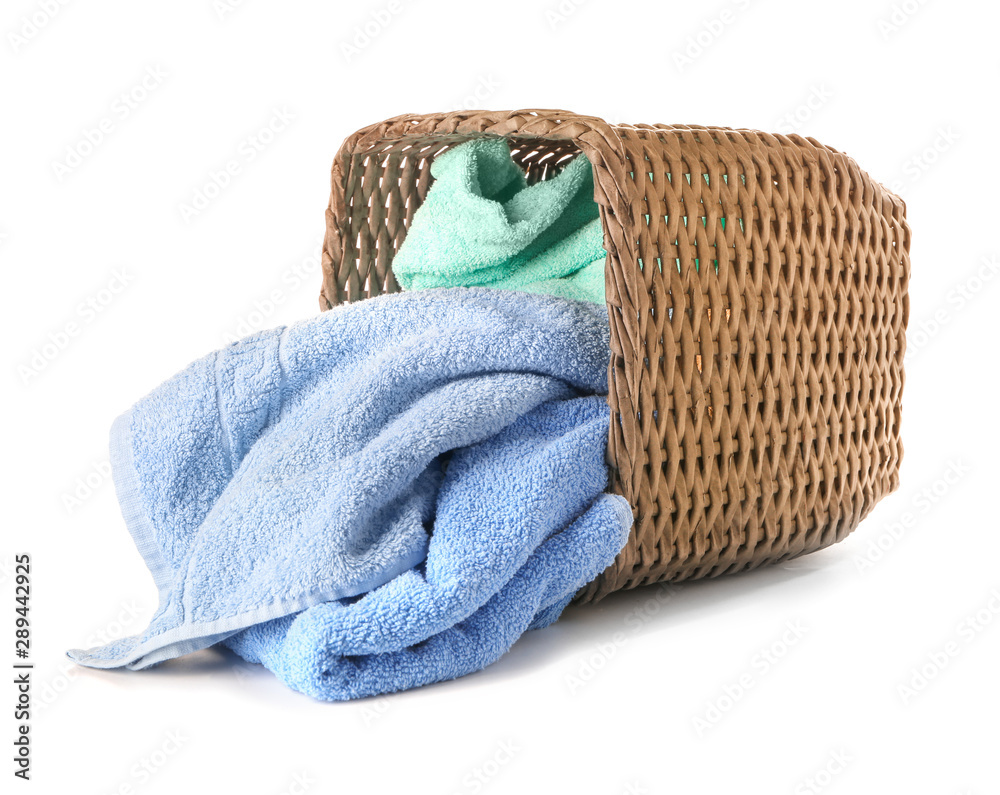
[769,375]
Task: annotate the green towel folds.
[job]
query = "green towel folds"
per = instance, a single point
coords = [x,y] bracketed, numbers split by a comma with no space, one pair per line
[482,225]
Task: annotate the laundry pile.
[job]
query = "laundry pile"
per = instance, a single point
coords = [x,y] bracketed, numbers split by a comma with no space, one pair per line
[389,494]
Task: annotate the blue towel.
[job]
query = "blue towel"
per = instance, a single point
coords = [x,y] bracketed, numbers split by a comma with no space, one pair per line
[369,482]
[495,520]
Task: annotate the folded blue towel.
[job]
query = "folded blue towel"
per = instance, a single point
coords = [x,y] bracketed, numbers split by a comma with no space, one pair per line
[428,449]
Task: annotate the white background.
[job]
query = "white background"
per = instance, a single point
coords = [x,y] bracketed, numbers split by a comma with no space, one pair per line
[614,698]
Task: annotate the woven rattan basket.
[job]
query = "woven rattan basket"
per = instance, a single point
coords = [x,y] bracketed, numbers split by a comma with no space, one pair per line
[759,418]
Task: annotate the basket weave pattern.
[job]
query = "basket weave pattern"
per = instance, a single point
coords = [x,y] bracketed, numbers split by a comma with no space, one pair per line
[757,296]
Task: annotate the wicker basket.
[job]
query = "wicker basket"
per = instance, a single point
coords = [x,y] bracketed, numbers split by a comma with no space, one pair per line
[757,421]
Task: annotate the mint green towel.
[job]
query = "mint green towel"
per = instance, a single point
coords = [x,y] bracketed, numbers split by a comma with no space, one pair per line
[482,225]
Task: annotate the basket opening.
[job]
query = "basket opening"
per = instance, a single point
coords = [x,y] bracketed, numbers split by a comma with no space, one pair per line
[392,180]
[515,214]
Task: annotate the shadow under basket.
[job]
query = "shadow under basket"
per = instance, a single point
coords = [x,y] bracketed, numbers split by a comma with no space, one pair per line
[757,296]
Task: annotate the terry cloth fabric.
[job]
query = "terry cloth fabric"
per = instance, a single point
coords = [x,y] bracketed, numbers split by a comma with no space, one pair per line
[481,224]
[495,517]
[426,449]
